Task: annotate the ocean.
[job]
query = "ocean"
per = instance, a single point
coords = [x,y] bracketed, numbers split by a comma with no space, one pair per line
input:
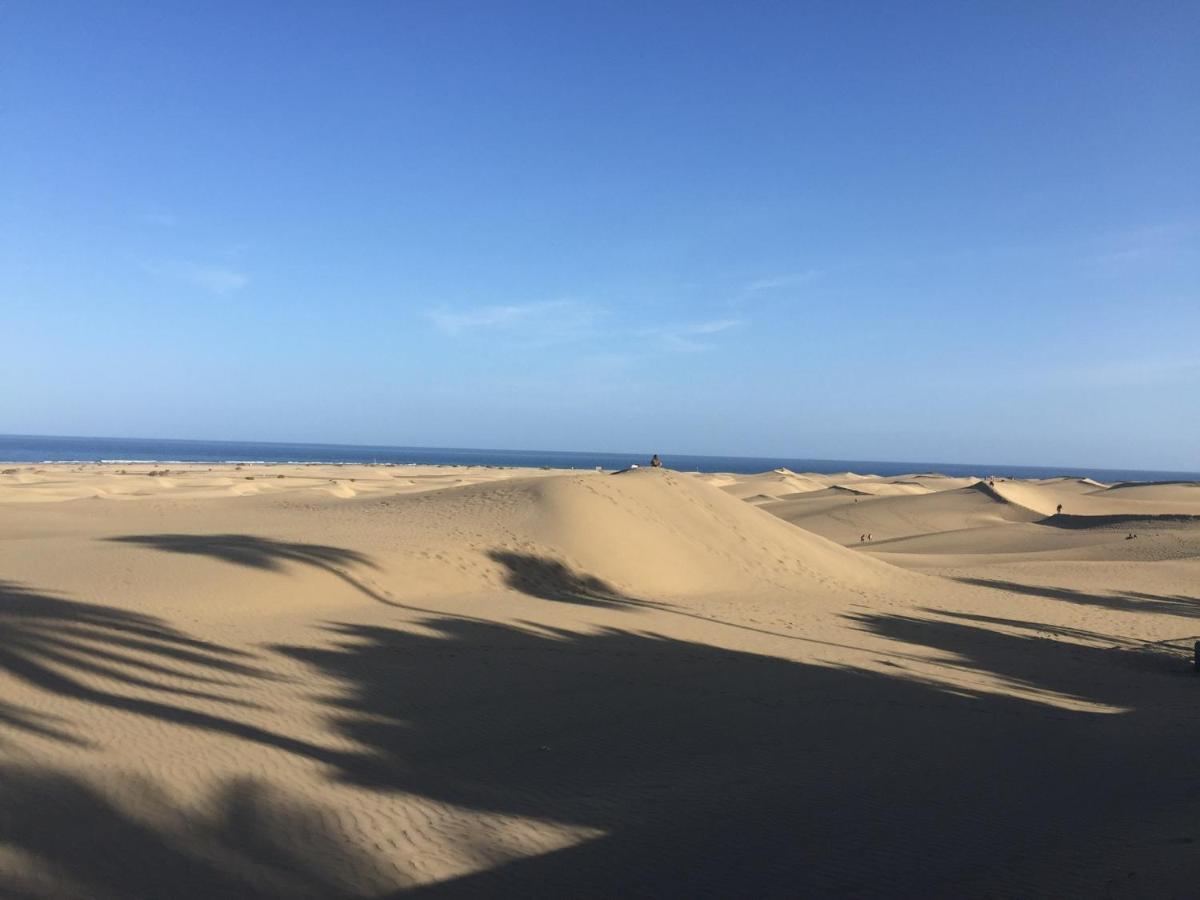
[42,449]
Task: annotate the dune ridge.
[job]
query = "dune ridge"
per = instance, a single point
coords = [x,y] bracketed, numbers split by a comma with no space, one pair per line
[365,681]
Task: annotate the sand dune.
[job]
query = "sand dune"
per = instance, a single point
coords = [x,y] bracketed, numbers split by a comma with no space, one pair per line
[882,488]
[842,518]
[772,485]
[662,532]
[1073,485]
[268,681]
[1181,498]
[41,484]
[888,518]
[937,482]
[1172,492]
[782,484]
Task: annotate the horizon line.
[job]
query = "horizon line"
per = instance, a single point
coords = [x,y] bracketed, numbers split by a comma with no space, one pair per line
[988,467]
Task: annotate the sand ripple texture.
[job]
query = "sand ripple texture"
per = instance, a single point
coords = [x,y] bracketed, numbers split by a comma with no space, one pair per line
[309,681]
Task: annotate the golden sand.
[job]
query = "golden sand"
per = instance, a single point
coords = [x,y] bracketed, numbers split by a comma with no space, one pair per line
[352,681]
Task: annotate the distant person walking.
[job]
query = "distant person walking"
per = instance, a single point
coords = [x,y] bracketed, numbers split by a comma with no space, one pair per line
[655,462]
[1059,509]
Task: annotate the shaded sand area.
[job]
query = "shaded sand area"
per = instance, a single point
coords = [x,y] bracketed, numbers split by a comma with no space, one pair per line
[309,681]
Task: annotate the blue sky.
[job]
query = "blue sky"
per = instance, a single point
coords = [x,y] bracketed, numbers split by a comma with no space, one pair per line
[929,231]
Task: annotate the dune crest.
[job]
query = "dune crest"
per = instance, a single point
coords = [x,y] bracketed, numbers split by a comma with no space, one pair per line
[648,532]
[354,681]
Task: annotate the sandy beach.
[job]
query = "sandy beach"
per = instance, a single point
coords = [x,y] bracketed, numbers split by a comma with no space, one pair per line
[359,681]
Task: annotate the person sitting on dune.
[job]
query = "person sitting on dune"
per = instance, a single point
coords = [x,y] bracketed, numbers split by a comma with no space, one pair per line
[655,462]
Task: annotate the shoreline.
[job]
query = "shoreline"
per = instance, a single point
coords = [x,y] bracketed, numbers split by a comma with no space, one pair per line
[449,675]
[18,449]
[13,466]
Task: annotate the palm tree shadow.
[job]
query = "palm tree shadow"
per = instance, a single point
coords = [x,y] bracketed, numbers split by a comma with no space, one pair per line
[264,553]
[50,641]
[710,770]
[549,579]
[703,770]
[1129,601]
[127,662]
[247,841]
[34,722]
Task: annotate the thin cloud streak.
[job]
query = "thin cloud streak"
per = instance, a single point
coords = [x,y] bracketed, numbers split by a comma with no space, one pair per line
[684,336]
[1129,372]
[217,280]
[160,219]
[545,322]
[775,282]
[482,317]
[567,321]
[711,327]
[1160,244]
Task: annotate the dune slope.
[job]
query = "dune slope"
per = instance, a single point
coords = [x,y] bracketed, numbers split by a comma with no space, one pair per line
[888,518]
[368,682]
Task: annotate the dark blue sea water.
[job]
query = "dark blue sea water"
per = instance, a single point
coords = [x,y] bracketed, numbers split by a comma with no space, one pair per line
[36,449]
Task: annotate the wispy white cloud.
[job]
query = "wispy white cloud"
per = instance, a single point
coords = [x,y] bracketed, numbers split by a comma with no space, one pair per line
[159,218]
[1148,244]
[572,321]
[776,282]
[218,280]
[687,336]
[711,326]
[457,321]
[1134,372]
[544,322]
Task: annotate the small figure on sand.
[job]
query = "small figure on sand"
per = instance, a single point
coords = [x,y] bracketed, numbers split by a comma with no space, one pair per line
[1060,509]
[868,537]
[861,538]
[655,462]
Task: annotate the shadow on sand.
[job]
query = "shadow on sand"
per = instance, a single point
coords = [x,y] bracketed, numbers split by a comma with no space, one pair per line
[712,771]
[1166,520]
[549,579]
[1122,601]
[264,553]
[55,644]
[127,662]
[707,771]
[249,841]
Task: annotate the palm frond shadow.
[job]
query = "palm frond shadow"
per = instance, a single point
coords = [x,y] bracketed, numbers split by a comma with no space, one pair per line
[128,662]
[704,766]
[1123,601]
[248,841]
[264,553]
